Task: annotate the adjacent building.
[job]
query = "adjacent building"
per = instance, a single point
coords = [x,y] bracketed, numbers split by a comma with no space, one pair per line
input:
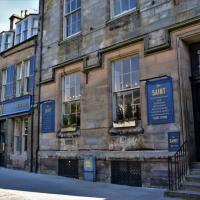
[17,67]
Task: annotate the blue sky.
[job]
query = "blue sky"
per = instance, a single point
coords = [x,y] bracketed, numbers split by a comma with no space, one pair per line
[9,7]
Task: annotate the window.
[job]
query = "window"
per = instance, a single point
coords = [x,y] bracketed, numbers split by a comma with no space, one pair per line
[25,134]
[4,80]
[19,80]
[126,92]
[34,30]
[25,30]
[17,132]
[71,99]
[26,76]
[18,34]
[8,41]
[122,6]
[72,17]
[0,42]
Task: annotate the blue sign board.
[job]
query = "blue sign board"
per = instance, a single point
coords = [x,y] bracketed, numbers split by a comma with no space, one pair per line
[160,103]
[16,106]
[48,117]
[89,168]
[173,141]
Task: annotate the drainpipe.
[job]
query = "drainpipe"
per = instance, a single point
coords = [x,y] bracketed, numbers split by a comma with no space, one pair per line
[42,2]
[33,103]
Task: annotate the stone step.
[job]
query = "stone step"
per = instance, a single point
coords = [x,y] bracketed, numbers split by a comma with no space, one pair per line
[184,194]
[194,186]
[195,172]
[193,178]
[196,165]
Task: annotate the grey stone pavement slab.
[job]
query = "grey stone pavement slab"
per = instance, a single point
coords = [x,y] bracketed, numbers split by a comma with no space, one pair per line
[20,185]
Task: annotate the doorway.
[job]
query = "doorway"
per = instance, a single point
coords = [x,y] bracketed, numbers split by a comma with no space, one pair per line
[2,143]
[195,64]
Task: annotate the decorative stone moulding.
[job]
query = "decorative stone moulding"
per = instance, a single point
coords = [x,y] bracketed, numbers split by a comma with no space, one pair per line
[157,41]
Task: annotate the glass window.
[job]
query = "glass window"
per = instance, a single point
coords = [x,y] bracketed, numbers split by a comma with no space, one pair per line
[25,134]
[0,42]
[19,80]
[17,134]
[72,16]
[71,99]
[18,34]
[25,30]
[126,92]
[122,6]
[34,30]
[8,41]
[4,79]
[26,76]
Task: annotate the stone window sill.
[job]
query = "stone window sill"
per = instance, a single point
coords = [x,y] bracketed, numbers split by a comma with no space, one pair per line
[69,133]
[72,37]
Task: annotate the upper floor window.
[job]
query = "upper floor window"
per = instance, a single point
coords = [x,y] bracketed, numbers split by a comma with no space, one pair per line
[8,41]
[72,17]
[26,76]
[71,100]
[122,6]
[34,28]
[0,42]
[3,89]
[25,30]
[18,34]
[126,92]
[19,80]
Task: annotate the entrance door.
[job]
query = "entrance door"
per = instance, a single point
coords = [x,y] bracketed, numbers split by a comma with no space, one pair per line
[195,60]
[2,144]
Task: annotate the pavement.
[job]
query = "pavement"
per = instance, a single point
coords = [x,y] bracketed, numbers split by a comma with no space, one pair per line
[20,185]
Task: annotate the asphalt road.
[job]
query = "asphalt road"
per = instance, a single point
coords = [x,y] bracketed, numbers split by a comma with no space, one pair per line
[19,185]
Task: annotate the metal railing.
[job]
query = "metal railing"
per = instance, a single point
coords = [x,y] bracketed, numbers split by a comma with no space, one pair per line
[178,167]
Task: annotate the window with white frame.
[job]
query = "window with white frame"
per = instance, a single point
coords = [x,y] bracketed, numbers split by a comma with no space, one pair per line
[8,41]
[25,132]
[18,34]
[17,133]
[25,30]
[126,90]
[71,100]
[120,7]
[19,80]
[34,27]
[26,76]
[72,17]
[3,89]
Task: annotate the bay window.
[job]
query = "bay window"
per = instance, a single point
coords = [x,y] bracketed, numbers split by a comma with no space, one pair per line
[19,80]
[71,100]
[34,28]
[72,17]
[8,41]
[126,90]
[120,7]
[26,76]
[25,30]
[18,34]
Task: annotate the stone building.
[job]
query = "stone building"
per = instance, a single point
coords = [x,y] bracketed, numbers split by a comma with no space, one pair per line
[118,88]
[17,66]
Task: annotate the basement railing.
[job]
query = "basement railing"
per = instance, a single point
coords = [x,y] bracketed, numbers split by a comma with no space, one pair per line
[178,167]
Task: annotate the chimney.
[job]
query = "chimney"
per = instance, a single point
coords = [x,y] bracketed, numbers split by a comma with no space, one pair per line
[25,13]
[22,13]
[13,20]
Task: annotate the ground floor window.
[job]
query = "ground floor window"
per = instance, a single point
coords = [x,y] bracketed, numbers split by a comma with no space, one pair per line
[68,168]
[126,173]
[21,130]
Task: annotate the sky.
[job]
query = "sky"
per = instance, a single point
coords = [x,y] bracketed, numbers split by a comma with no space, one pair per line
[9,7]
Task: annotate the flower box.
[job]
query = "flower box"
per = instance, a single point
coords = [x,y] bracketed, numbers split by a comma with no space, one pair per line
[124,124]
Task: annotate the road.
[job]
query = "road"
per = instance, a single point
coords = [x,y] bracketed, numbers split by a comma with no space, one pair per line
[20,185]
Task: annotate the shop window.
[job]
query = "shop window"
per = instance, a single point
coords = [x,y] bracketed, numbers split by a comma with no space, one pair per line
[71,100]
[120,7]
[26,76]
[25,132]
[17,133]
[126,90]
[19,80]
[72,17]
[3,89]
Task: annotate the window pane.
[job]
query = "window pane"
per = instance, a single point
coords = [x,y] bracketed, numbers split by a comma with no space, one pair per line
[126,81]
[117,7]
[73,107]
[132,3]
[125,5]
